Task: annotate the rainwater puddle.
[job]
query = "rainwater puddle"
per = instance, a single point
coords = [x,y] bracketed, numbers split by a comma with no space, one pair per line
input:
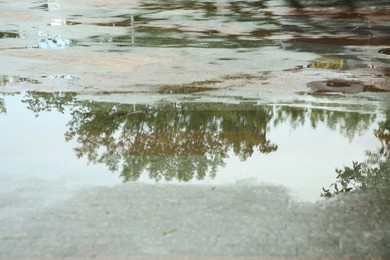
[63,142]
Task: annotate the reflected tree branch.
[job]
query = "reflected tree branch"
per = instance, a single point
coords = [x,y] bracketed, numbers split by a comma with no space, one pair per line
[186,141]
[374,172]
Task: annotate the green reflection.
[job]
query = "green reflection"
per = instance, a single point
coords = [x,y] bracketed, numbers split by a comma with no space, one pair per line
[373,172]
[3,105]
[45,102]
[185,141]
[349,124]
[9,80]
[168,140]
[196,24]
[9,35]
[3,108]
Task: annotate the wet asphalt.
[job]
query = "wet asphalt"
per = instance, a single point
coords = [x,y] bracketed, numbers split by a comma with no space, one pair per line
[52,46]
[137,221]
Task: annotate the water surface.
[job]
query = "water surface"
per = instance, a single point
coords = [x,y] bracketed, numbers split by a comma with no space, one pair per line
[230,115]
[75,143]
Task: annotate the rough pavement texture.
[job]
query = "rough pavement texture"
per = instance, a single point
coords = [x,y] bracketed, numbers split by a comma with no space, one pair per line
[140,221]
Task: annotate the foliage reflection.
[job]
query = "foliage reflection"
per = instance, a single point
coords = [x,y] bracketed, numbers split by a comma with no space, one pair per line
[191,140]
[3,109]
[169,140]
[373,172]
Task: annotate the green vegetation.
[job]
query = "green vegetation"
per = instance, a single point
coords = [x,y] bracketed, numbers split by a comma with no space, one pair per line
[373,172]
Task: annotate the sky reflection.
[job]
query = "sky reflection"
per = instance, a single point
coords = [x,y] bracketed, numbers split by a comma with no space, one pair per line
[182,142]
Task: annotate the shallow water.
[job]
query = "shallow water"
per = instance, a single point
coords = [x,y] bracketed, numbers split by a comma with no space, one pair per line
[63,142]
[255,111]
[248,61]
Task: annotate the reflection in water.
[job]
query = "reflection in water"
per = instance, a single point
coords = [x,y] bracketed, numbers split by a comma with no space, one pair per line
[186,140]
[146,31]
[193,141]
[7,80]
[323,21]
[218,24]
[3,109]
[45,102]
[9,35]
[54,43]
[348,124]
[196,24]
[374,172]
[170,141]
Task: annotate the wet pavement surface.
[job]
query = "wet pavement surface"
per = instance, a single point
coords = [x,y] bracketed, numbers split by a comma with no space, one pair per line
[194,129]
[202,222]
[194,176]
[89,46]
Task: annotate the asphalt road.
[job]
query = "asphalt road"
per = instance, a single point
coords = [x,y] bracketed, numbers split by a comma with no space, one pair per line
[248,221]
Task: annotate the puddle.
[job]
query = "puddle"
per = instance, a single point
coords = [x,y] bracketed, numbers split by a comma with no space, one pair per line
[222,101]
[218,49]
[303,146]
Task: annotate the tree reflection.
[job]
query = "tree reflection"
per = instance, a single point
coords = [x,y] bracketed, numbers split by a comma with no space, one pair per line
[191,140]
[325,22]
[318,3]
[194,30]
[349,124]
[39,102]
[383,134]
[3,108]
[374,172]
[169,141]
